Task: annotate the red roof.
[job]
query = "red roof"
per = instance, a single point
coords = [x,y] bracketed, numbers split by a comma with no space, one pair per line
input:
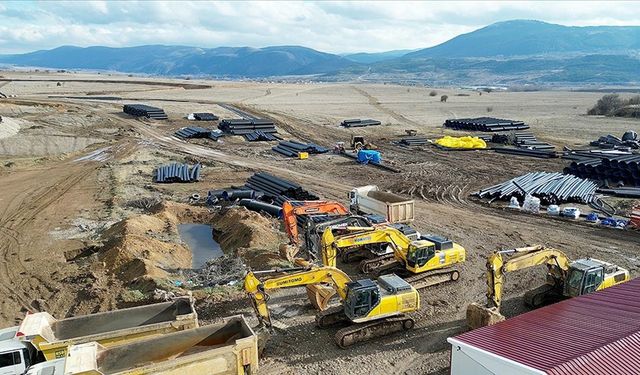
[594,334]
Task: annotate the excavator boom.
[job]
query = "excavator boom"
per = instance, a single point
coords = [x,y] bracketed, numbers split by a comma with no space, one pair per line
[291,210]
[363,236]
[257,290]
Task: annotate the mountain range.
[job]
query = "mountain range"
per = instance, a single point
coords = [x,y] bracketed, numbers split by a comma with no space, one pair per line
[510,52]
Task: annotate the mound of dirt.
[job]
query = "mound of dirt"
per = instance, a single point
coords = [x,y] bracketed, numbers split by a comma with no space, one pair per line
[142,249]
[250,236]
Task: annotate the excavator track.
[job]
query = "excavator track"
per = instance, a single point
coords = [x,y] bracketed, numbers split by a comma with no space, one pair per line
[379,264]
[427,279]
[331,316]
[356,333]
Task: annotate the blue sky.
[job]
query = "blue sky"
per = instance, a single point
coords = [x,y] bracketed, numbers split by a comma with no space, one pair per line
[336,27]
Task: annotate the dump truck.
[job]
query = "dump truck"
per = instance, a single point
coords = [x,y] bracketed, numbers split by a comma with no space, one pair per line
[371,200]
[227,348]
[52,336]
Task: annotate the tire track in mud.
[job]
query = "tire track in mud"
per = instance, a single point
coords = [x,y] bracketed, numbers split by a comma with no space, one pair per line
[376,103]
[16,278]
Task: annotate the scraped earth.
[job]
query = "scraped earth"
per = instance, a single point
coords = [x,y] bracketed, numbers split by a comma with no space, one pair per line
[77,235]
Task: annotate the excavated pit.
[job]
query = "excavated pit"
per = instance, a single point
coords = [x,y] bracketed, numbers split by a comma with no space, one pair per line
[199,240]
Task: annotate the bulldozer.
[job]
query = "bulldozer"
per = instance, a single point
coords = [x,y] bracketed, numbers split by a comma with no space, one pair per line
[387,249]
[565,279]
[370,308]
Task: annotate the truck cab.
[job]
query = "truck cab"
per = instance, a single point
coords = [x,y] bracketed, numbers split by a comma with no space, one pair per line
[15,356]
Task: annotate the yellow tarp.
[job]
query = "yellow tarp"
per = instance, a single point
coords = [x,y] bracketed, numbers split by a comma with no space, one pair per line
[461,142]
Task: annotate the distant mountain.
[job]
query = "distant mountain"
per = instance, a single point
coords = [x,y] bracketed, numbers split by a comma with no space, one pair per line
[367,58]
[181,60]
[508,53]
[523,37]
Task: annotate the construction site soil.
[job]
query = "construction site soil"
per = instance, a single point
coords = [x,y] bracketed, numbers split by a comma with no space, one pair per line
[75,237]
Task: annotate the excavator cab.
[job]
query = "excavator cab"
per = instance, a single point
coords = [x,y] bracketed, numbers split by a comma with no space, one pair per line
[419,253]
[585,276]
[362,296]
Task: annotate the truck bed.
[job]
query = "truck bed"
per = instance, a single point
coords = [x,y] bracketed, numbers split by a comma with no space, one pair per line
[52,336]
[223,348]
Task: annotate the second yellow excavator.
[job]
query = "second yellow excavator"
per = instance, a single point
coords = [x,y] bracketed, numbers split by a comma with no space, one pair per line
[565,279]
[372,308]
[424,262]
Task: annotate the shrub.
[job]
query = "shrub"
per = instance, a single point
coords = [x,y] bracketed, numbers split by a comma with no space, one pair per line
[433,93]
[607,105]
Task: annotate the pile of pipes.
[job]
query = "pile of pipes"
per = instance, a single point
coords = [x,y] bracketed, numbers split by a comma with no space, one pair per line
[141,110]
[611,169]
[245,126]
[551,188]
[358,123]
[259,135]
[278,189]
[543,154]
[205,117]
[485,124]
[193,132]
[495,138]
[527,145]
[198,132]
[177,172]
[529,141]
[291,148]
[629,141]
[413,141]
[251,199]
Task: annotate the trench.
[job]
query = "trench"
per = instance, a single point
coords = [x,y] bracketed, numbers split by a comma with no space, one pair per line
[199,240]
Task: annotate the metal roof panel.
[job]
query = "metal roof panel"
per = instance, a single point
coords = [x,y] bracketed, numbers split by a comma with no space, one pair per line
[597,333]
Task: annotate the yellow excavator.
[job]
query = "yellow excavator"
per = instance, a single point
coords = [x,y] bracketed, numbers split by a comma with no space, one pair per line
[422,261]
[371,308]
[565,279]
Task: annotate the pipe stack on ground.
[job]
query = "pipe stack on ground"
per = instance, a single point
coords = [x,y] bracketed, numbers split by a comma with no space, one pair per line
[292,148]
[141,110]
[177,172]
[278,189]
[413,141]
[358,123]
[485,124]
[551,188]
[205,117]
[612,170]
[245,126]
[259,135]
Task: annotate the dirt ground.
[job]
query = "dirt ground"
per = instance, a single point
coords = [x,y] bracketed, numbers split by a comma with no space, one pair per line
[72,174]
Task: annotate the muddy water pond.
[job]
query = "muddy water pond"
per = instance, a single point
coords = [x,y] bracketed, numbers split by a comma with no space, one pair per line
[199,239]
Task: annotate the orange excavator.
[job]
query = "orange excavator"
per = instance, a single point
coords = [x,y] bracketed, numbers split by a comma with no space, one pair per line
[292,209]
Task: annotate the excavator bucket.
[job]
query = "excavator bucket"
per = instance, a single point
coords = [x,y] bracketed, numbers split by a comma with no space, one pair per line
[480,316]
[288,252]
[320,295]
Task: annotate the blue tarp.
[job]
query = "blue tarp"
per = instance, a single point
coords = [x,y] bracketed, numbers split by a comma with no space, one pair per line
[366,156]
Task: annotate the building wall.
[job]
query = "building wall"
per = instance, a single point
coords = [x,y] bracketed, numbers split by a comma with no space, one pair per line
[467,360]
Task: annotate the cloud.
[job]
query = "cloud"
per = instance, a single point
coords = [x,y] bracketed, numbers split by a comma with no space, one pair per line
[326,25]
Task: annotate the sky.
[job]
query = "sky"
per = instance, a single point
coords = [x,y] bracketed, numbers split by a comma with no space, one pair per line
[336,27]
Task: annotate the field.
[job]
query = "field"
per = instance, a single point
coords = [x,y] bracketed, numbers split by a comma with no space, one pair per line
[75,165]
